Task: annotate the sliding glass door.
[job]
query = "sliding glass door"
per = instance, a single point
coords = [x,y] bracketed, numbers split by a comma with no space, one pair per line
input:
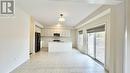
[96,43]
[100,46]
[91,44]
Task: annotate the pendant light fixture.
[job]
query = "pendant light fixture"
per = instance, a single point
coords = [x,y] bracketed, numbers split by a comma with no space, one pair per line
[61,19]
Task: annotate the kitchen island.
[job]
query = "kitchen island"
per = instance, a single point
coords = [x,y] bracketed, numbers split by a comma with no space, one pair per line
[59,46]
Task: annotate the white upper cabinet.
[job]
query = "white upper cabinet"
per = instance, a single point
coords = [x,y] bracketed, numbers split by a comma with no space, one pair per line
[65,33]
[50,32]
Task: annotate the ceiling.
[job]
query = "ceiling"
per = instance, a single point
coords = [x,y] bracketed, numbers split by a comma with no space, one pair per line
[47,12]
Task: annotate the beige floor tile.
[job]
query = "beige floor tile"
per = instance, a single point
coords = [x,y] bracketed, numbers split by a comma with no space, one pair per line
[71,62]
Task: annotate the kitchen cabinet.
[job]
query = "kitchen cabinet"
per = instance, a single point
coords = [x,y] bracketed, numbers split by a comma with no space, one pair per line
[62,32]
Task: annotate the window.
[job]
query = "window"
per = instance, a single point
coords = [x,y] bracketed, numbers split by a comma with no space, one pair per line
[80,39]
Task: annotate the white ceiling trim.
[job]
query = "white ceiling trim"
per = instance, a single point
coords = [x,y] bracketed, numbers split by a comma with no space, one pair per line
[106,2]
[94,18]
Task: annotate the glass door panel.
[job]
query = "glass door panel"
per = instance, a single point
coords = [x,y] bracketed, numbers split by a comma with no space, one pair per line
[100,46]
[91,37]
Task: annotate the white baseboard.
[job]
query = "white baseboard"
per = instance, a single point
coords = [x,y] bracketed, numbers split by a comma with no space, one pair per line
[22,62]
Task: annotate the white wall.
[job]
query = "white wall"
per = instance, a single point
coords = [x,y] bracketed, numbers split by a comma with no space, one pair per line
[127,51]
[14,41]
[117,38]
[32,35]
[73,38]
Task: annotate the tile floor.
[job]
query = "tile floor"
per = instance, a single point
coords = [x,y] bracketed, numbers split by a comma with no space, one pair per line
[71,62]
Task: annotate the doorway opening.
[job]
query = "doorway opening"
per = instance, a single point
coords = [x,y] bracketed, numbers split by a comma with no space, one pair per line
[37,41]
